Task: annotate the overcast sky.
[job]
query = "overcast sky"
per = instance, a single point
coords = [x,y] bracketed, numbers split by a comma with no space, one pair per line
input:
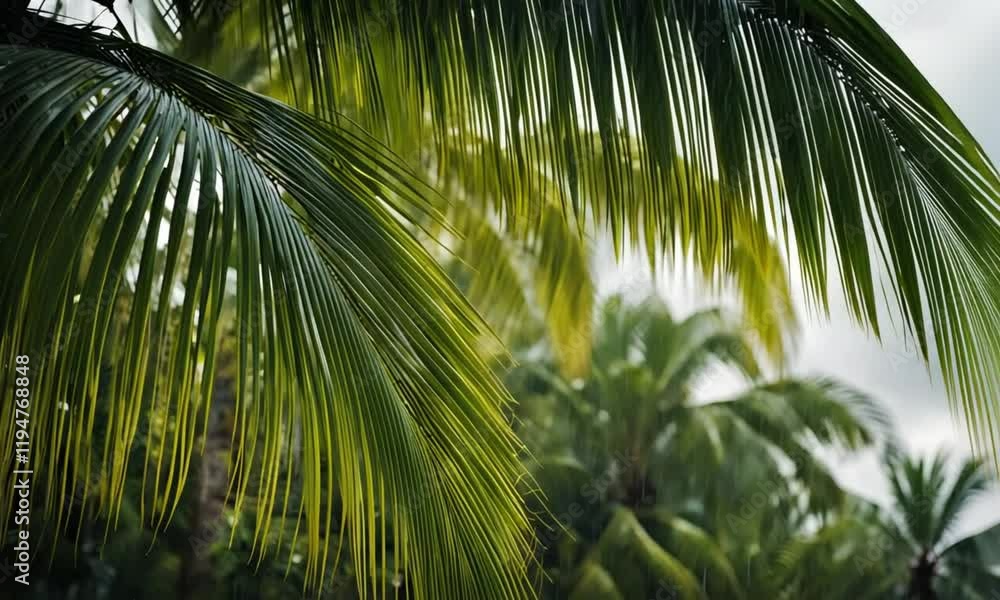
[953,42]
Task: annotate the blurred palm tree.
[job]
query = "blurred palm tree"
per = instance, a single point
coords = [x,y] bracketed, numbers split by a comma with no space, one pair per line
[929,502]
[129,168]
[910,550]
[642,474]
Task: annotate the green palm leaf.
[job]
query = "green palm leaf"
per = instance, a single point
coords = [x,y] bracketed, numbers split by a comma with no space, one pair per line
[595,583]
[355,369]
[825,409]
[696,548]
[969,482]
[550,266]
[625,545]
[804,114]
[917,486]
[972,565]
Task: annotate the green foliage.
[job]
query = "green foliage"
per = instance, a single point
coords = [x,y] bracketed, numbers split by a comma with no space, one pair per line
[928,503]
[143,194]
[353,344]
[704,115]
[640,474]
[674,125]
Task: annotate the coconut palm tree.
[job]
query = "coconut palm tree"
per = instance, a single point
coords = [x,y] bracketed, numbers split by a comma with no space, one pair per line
[642,475]
[142,191]
[929,500]
[909,550]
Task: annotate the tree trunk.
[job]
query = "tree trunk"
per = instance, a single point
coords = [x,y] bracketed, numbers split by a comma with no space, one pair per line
[207,524]
[635,489]
[922,579]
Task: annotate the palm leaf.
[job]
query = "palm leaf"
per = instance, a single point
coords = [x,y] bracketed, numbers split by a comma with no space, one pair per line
[917,487]
[789,416]
[677,352]
[970,480]
[973,564]
[824,409]
[626,545]
[491,267]
[805,114]
[595,584]
[697,549]
[355,369]
[551,266]
[836,561]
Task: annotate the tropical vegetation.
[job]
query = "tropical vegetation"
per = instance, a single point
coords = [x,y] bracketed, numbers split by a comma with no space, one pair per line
[920,545]
[246,200]
[642,486]
[657,490]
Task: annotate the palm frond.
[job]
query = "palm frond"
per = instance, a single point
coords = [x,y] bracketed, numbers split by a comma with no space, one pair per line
[804,113]
[827,410]
[759,277]
[835,561]
[506,269]
[356,372]
[558,249]
[789,416]
[565,289]
[973,563]
[489,264]
[970,480]
[595,583]
[677,352]
[626,545]
[698,549]
[917,485]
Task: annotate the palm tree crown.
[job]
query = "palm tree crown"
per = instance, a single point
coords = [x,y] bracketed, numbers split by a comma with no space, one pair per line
[643,474]
[928,505]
